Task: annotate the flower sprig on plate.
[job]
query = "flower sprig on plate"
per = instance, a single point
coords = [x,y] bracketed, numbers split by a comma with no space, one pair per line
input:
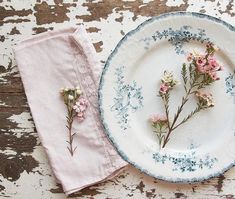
[200,72]
[76,107]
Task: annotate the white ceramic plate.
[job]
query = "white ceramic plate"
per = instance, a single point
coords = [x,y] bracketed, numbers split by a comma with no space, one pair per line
[203,147]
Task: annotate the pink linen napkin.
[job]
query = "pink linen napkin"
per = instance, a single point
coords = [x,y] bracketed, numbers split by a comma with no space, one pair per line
[66,58]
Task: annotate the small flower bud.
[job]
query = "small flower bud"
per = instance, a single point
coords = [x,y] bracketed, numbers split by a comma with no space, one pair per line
[70,97]
[78,91]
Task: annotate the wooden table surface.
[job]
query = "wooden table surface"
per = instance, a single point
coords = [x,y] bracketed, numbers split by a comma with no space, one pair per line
[24,169]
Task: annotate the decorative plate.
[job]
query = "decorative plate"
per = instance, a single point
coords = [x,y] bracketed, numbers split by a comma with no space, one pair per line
[203,147]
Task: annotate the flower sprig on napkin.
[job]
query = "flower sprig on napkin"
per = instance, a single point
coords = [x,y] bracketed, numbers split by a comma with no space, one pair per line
[76,107]
[200,72]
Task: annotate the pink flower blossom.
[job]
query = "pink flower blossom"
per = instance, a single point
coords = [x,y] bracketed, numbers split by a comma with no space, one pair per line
[213,75]
[158,118]
[83,101]
[201,65]
[200,61]
[80,108]
[190,57]
[203,68]
[81,116]
[213,63]
[205,99]
[208,65]
[164,88]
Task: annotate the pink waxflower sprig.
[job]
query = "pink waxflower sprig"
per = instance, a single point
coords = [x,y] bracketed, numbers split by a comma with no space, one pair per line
[167,82]
[200,71]
[76,107]
[159,124]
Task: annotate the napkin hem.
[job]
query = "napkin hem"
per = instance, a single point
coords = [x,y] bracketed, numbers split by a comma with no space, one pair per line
[111,174]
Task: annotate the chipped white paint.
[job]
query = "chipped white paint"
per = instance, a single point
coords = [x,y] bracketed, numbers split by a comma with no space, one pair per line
[3,104]
[24,123]
[174,2]
[110,33]
[147,1]
[8,152]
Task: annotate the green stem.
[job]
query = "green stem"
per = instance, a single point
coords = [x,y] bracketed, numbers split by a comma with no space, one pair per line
[160,136]
[188,117]
[70,123]
[184,100]
[166,105]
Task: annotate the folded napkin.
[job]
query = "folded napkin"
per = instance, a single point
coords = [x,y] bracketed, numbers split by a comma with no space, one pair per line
[66,58]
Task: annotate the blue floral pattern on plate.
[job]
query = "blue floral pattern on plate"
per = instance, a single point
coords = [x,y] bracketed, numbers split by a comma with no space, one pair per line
[230,84]
[178,37]
[128,98]
[185,162]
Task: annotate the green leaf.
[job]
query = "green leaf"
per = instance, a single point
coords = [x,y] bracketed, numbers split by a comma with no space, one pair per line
[190,71]
[184,75]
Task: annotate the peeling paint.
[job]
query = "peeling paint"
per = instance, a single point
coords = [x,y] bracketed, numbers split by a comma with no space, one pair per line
[56,12]
[2,38]
[85,192]
[122,32]
[58,189]
[119,19]
[219,184]
[89,191]
[8,13]
[98,46]
[2,188]
[229,9]
[15,21]
[175,3]
[38,30]
[13,165]
[102,9]
[93,29]
[140,187]
[180,195]
[14,31]
[151,194]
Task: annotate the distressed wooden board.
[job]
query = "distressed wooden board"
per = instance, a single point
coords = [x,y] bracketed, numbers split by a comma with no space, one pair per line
[24,168]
